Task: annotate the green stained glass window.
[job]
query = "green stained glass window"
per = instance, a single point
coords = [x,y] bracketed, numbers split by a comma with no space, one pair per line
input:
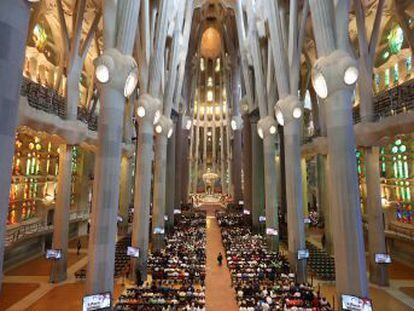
[398,142]
[403,148]
[394,149]
[387,77]
[395,39]
[409,64]
[396,73]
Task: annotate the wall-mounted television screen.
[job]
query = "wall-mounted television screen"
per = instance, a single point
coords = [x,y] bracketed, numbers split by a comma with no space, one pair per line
[271,231]
[177,211]
[303,254]
[97,302]
[55,254]
[355,303]
[159,231]
[241,202]
[306,220]
[133,252]
[246,212]
[262,218]
[382,258]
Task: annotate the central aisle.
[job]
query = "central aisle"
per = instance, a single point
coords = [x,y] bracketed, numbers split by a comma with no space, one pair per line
[219,293]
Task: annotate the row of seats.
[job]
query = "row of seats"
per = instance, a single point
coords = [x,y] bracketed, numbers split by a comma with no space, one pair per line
[321,263]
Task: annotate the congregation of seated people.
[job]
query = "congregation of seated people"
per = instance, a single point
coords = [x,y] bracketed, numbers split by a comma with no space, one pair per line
[261,278]
[177,272]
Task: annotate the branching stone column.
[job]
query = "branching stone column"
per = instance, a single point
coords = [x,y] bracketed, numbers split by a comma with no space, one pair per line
[61,216]
[237,126]
[170,180]
[164,130]
[267,129]
[119,68]
[148,112]
[14,20]
[247,163]
[257,175]
[125,191]
[330,83]
[376,238]
[285,113]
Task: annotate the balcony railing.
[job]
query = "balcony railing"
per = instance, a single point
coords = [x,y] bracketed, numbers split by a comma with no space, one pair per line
[22,231]
[48,100]
[397,100]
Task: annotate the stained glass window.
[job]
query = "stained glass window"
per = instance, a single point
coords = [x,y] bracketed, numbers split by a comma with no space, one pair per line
[387,77]
[395,39]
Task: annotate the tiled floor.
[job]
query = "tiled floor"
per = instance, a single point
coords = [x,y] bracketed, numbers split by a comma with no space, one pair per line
[40,266]
[14,292]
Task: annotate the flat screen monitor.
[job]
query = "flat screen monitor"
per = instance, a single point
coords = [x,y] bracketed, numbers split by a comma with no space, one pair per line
[97,302]
[246,212]
[119,219]
[241,202]
[166,217]
[177,211]
[159,231]
[355,303]
[303,254]
[55,254]
[306,220]
[262,218]
[382,258]
[133,252]
[271,231]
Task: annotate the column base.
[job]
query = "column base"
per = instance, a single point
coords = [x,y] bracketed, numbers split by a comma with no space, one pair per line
[298,267]
[158,242]
[272,243]
[58,272]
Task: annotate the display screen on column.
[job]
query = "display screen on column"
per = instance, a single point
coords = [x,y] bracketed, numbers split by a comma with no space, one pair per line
[246,212]
[303,254]
[97,302]
[159,231]
[382,258]
[133,252]
[262,218]
[55,254]
[355,303]
[271,231]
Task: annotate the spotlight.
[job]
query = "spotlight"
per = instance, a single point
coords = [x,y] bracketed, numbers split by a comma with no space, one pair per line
[158,129]
[260,132]
[233,124]
[351,75]
[297,112]
[279,117]
[130,83]
[102,73]
[170,132]
[141,112]
[272,130]
[157,117]
[320,86]
[188,124]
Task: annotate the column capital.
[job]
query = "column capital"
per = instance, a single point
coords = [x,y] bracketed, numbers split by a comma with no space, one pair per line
[164,126]
[266,126]
[148,108]
[117,71]
[288,109]
[334,72]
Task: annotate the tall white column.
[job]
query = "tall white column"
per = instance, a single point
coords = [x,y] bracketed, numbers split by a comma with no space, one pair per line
[247,163]
[170,180]
[61,216]
[378,273]
[14,18]
[125,191]
[258,186]
[142,190]
[350,262]
[163,128]
[101,251]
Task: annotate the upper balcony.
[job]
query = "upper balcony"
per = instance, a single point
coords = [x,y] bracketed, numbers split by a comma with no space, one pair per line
[49,101]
